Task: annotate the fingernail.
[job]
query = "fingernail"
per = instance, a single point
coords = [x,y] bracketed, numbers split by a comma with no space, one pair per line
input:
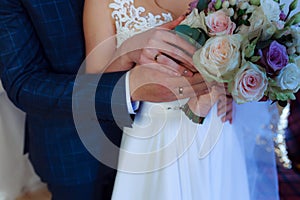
[189,74]
[176,74]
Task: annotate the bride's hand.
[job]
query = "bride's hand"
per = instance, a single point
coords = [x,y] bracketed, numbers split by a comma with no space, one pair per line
[225,108]
[201,105]
[161,49]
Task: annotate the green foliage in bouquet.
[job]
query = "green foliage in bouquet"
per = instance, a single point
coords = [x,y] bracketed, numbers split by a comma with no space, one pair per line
[192,35]
[276,93]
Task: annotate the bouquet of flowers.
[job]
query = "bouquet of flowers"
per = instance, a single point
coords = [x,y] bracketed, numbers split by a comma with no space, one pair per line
[251,45]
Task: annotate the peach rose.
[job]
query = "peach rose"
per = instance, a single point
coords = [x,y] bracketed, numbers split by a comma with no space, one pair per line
[219,58]
[219,23]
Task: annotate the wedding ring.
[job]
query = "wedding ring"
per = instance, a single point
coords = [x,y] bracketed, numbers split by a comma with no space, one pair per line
[180,91]
[185,72]
[156,57]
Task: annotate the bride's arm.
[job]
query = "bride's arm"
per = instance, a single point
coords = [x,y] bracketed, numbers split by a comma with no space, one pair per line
[103,56]
[100,38]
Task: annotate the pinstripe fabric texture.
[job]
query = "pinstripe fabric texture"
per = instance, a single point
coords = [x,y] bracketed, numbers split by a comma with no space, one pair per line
[41,50]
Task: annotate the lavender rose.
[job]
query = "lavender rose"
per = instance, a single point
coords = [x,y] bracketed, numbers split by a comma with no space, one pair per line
[277,56]
[273,58]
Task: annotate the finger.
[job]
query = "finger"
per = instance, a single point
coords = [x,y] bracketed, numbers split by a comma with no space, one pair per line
[191,91]
[147,57]
[172,39]
[172,65]
[221,110]
[189,66]
[224,109]
[227,117]
[177,54]
[196,79]
[171,25]
[220,89]
[163,69]
[176,82]
[224,105]
[165,64]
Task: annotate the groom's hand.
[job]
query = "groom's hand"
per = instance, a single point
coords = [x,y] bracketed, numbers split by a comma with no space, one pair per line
[147,84]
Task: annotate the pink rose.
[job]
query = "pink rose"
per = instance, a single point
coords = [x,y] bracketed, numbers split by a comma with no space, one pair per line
[249,84]
[219,23]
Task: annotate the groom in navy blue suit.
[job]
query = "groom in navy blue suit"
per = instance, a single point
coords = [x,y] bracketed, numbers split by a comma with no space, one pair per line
[41,51]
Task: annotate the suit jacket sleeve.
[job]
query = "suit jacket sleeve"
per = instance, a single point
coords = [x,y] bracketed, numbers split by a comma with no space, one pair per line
[34,85]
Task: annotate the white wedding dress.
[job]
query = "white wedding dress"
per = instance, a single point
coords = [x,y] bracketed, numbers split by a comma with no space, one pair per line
[16,172]
[165,156]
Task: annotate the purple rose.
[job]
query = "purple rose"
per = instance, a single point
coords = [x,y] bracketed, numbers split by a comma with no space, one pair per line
[193,4]
[277,56]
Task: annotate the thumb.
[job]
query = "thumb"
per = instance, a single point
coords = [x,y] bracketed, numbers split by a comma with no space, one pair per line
[172,24]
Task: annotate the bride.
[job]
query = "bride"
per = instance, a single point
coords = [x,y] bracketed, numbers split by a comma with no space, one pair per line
[165,155]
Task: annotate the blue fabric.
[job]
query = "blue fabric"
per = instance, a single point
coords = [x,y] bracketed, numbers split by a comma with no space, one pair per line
[41,51]
[92,191]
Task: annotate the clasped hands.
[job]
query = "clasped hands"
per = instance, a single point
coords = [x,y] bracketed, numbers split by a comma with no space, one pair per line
[162,70]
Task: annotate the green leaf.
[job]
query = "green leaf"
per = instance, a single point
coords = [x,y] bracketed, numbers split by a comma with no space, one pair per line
[190,34]
[254,59]
[255,2]
[281,7]
[241,12]
[276,93]
[295,19]
[280,33]
[249,50]
[246,22]
[202,38]
[202,5]
[293,5]
[218,4]
[188,31]
[263,44]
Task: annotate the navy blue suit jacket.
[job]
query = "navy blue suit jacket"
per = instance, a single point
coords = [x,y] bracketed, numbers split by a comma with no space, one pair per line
[41,51]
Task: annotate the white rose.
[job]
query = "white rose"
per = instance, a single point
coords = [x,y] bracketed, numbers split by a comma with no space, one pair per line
[297,61]
[259,24]
[219,58]
[295,31]
[271,10]
[249,84]
[195,20]
[289,77]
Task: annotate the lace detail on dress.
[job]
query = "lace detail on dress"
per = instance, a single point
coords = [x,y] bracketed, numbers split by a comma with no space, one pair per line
[129,19]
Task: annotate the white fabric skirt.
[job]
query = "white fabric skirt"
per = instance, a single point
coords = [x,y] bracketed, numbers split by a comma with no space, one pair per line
[165,156]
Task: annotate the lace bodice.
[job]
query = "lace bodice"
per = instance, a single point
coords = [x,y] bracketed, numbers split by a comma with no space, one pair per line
[130,20]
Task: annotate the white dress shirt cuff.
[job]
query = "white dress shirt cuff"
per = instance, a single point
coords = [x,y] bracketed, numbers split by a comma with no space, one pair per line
[132,106]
